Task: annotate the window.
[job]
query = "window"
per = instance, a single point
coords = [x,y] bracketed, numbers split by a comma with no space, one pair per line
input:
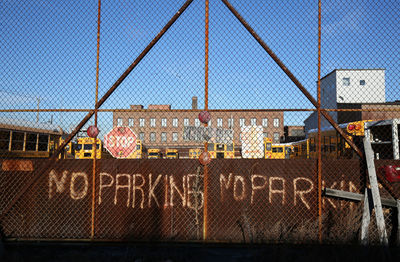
[141,136]
[253,121]
[130,122]
[31,141]
[153,137]
[276,122]
[163,137]
[346,81]
[175,122]
[265,134]
[141,122]
[163,122]
[17,142]
[43,142]
[362,82]
[219,122]
[276,137]
[174,136]
[242,121]
[152,122]
[230,123]
[197,122]
[119,122]
[265,122]
[186,122]
[4,139]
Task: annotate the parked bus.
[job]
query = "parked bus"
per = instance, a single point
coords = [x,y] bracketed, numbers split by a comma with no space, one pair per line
[281,151]
[69,149]
[25,139]
[383,135]
[138,153]
[300,149]
[195,152]
[221,150]
[267,148]
[84,148]
[154,153]
[171,153]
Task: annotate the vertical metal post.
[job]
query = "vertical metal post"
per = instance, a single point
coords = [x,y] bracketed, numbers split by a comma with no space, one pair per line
[398,222]
[205,208]
[95,123]
[366,217]
[319,161]
[369,157]
[395,138]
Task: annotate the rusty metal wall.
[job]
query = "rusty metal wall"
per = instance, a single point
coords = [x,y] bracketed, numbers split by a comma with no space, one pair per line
[249,201]
[288,71]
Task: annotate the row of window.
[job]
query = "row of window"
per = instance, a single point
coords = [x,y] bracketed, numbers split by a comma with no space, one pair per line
[23,141]
[186,122]
[174,137]
[346,81]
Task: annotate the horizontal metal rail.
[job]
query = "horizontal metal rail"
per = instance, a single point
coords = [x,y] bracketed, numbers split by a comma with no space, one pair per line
[329,192]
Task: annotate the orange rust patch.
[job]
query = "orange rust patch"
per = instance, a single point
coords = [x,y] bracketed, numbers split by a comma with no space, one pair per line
[17,165]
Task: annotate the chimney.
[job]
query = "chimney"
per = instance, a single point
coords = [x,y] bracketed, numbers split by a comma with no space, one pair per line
[136,106]
[194,102]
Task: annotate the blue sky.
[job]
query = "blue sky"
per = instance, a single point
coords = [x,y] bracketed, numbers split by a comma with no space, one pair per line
[48,50]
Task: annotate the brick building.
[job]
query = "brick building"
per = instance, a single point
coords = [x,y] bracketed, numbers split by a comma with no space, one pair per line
[159,126]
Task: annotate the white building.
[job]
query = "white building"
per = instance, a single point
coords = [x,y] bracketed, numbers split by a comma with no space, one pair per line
[343,87]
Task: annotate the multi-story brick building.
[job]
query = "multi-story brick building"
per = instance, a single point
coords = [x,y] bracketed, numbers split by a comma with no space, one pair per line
[159,126]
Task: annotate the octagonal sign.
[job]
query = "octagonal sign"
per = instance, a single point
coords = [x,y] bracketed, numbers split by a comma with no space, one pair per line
[120,142]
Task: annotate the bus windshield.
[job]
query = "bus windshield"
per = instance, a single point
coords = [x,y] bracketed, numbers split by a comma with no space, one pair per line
[153,154]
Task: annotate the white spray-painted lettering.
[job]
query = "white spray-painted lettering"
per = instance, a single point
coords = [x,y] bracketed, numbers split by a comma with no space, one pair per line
[166,191]
[78,194]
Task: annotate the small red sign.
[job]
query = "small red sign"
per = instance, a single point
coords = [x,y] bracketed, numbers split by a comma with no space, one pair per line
[120,142]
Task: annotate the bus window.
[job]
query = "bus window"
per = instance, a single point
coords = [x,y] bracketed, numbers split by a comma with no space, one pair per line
[78,147]
[17,142]
[31,141]
[87,147]
[220,146]
[229,147]
[43,142]
[4,140]
[268,146]
[210,147]
[277,150]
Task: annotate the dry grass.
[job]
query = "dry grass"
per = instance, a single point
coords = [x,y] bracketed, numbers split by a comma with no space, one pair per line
[337,227]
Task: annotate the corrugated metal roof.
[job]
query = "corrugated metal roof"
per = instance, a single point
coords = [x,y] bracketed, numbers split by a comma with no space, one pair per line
[29,124]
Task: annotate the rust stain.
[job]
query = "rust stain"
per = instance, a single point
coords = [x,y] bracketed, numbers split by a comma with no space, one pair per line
[17,165]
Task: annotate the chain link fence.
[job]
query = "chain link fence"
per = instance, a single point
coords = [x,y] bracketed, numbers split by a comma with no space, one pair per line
[224,121]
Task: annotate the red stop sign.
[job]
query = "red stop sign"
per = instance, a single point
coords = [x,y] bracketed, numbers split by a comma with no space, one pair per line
[120,142]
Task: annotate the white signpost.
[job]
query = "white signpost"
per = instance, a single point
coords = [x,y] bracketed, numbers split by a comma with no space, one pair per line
[252,141]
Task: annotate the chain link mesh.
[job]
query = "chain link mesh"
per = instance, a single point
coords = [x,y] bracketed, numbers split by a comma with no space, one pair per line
[144,80]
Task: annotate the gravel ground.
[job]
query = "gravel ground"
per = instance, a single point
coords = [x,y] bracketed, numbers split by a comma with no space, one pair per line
[171,252]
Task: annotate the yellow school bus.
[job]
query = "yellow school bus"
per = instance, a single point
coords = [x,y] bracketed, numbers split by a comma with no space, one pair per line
[221,150]
[154,153]
[171,153]
[301,149]
[84,148]
[138,153]
[69,149]
[195,152]
[267,148]
[281,151]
